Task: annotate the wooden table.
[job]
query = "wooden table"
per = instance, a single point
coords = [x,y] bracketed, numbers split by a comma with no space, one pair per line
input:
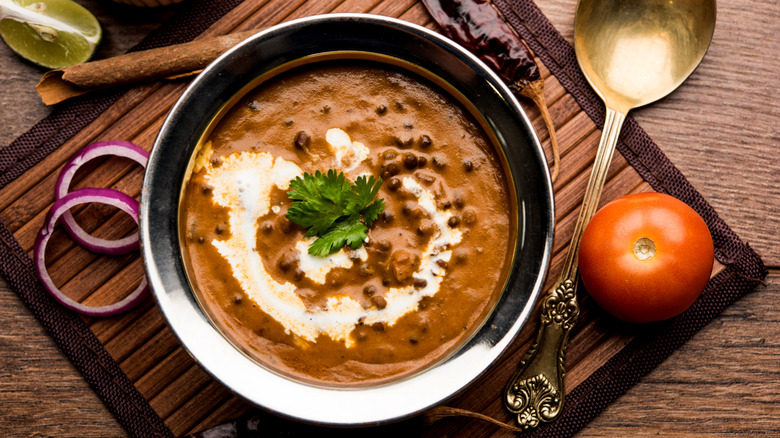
[721,129]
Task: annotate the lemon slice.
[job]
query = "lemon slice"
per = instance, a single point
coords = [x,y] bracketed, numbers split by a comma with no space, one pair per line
[50,33]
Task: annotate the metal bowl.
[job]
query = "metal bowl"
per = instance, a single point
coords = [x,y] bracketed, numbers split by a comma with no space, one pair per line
[347,36]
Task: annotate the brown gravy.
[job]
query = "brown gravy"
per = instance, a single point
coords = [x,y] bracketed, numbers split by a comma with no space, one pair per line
[416,136]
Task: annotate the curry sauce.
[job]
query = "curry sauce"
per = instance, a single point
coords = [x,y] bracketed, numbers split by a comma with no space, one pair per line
[435,260]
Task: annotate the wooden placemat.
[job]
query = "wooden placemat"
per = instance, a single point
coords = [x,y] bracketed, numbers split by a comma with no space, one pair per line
[135,363]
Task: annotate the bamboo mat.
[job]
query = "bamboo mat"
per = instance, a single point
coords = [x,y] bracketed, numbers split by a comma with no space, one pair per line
[604,357]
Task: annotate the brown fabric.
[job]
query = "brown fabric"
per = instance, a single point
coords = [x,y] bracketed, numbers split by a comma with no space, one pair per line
[651,346]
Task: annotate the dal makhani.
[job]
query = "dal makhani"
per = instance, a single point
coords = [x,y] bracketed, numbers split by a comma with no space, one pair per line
[434,261]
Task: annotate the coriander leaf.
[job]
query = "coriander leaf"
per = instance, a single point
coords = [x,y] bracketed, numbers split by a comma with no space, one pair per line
[371,212]
[329,206]
[366,189]
[323,199]
[349,231]
[334,186]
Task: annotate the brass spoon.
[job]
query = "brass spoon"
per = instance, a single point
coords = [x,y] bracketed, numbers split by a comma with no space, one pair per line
[633,52]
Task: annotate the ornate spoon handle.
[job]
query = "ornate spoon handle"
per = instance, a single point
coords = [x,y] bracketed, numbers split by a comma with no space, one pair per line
[535,393]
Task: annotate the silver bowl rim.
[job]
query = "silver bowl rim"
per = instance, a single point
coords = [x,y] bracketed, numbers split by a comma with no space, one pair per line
[334,406]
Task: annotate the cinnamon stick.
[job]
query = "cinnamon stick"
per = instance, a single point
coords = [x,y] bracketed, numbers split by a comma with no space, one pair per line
[166,62]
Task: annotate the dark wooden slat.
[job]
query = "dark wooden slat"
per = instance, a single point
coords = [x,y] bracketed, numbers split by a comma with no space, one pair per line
[144,328]
[151,353]
[164,373]
[232,408]
[197,408]
[175,395]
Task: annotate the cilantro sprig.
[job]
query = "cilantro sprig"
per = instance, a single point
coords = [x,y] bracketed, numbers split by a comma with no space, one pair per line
[331,207]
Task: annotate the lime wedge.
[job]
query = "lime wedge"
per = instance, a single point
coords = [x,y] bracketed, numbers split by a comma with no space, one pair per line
[50,33]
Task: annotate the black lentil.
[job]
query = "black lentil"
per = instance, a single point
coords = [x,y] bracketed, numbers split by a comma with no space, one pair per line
[302,140]
[410,161]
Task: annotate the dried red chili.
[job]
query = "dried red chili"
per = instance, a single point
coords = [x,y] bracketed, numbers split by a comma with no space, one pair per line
[479,26]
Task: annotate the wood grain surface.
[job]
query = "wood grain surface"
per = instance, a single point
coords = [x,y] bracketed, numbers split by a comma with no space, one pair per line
[720,129]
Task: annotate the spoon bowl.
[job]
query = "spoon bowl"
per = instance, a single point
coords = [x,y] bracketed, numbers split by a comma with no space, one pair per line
[632,52]
[636,52]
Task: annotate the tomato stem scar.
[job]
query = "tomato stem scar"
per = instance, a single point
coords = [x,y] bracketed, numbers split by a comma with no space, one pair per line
[644,248]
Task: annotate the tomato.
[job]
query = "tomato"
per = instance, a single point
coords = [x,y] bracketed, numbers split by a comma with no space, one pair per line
[646,257]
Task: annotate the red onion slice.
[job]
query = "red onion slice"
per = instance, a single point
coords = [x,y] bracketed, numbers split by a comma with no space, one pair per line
[117,148]
[58,209]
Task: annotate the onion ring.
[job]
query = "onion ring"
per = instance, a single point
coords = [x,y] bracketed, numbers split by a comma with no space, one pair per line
[59,208]
[119,148]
